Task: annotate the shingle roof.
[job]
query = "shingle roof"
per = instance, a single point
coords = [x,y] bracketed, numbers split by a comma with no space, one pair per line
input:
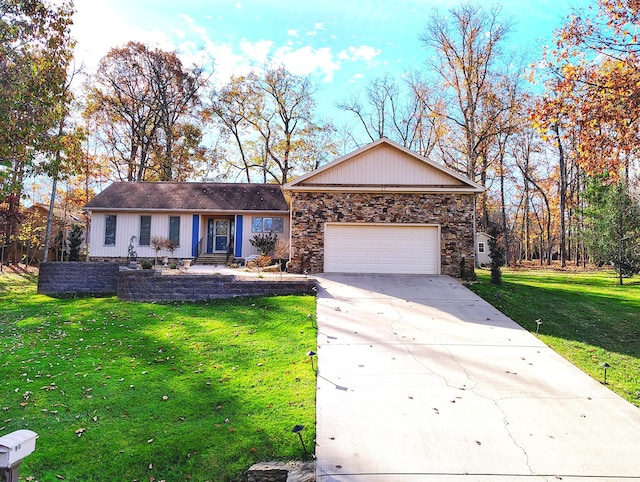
[189,196]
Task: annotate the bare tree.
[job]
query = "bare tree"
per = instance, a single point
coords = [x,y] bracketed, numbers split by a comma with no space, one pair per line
[467,48]
[396,111]
[269,117]
[230,106]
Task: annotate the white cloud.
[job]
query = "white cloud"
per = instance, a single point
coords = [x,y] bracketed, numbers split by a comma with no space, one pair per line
[256,51]
[307,60]
[95,35]
[238,5]
[319,26]
[93,29]
[355,78]
[364,52]
[227,62]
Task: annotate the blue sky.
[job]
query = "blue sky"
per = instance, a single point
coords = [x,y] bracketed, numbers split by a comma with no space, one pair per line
[340,44]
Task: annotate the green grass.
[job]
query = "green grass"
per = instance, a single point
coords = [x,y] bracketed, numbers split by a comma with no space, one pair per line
[586,317]
[142,391]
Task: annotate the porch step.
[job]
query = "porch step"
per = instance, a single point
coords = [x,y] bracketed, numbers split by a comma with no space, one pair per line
[211,259]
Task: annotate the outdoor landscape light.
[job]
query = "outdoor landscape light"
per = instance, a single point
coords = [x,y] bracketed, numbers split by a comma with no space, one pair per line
[538,323]
[297,429]
[311,354]
[605,366]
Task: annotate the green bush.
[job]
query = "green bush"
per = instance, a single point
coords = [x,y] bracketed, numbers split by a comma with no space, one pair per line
[264,243]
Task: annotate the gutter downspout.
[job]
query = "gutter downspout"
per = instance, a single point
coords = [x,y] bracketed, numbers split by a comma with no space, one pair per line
[476,264]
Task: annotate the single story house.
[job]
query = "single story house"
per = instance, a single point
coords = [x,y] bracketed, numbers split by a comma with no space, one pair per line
[199,217]
[380,209]
[482,245]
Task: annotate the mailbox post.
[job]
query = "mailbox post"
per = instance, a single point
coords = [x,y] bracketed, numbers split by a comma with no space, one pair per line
[13,448]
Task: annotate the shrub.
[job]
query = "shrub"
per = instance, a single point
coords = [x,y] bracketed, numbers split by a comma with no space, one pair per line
[264,243]
[496,251]
[75,241]
[466,274]
[261,261]
[146,265]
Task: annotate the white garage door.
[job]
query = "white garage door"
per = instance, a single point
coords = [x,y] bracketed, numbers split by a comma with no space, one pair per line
[381,248]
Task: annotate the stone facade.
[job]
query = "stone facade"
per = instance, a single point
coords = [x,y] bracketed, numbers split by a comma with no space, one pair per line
[454,213]
[282,472]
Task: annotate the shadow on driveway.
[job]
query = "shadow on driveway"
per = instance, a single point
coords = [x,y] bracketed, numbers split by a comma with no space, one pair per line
[420,379]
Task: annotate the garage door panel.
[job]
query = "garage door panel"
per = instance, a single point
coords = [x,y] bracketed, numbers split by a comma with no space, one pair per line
[392,248]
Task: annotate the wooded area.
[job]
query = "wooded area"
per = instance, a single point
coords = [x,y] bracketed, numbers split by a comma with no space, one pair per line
[553,139]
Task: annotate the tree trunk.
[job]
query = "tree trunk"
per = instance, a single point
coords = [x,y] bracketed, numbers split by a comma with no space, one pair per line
[47,235]
[563,195]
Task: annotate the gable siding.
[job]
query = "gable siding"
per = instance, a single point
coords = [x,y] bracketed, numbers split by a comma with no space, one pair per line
[383,165]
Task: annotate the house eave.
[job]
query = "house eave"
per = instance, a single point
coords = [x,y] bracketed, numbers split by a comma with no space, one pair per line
[389,189]
[189,211]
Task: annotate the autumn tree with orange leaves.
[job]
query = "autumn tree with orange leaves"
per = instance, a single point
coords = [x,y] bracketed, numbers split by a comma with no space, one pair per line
[594,74]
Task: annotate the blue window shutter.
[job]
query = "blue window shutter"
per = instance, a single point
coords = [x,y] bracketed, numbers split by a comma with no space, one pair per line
[238,252]
[195,235]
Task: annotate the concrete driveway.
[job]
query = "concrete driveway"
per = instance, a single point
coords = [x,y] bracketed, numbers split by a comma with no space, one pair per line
[420,379]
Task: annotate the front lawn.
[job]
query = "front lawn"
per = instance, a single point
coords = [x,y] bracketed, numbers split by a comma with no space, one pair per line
[586,317]
[149,392]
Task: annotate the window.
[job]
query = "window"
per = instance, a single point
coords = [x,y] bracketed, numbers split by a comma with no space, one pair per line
[174,229]
[145,231]
[480,247]
[110,230]
[267,225]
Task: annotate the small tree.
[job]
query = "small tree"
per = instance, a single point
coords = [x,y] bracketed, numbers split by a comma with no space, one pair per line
[613,235]
[75,241]
[158,243]
[496,251]
[264,243]
[60,244]
[171,245]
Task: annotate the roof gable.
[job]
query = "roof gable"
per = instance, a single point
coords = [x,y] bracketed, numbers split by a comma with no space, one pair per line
[189,196]
[383,165]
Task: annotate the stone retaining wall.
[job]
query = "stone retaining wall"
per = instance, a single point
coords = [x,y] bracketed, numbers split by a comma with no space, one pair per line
[107,279]
[77,277]
[147,285]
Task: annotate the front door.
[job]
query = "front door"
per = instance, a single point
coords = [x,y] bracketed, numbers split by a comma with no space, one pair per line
[218,231]
[221,235]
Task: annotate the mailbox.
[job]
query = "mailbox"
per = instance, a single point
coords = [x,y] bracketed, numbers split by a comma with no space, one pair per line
[16,446]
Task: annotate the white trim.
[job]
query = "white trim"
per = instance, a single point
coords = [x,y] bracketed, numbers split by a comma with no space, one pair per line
[389,189]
